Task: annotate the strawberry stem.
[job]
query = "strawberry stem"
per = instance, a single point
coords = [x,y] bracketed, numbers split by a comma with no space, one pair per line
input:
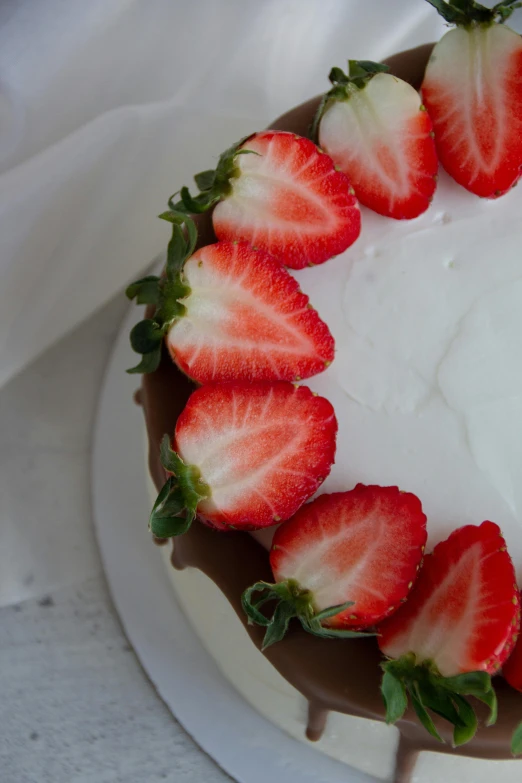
[344,85]
[291,601]
[466,13]
[165,292]
[176,505]
[213,185]
[429,691]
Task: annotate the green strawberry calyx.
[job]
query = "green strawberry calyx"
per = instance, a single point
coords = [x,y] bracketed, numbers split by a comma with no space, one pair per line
[469,13]
[176,505]
[166,293]
[291,600]
[344,85]
[428,691]
[213,185]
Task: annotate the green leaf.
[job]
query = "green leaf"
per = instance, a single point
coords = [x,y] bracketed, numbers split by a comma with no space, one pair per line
[173,216]
[395,698]
[516,741]
[169,459]
[465,12]
[190,484]
[332,633]
[490,699]
[146,290]
[176,252]
[364,69]
[469,683]
[325,614]
[421,712]
[338,76]
[505,9]
[146,336]
[197,204]
[477,684]
[468,720]
[164,521]
[449,13]
[205,179]
[438,700]
[149,363]
[251,606]
[278,626]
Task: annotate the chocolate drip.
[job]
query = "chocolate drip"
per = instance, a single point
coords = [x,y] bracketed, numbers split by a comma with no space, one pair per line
[317,717]
[341,675]
[407,753]
[176,557]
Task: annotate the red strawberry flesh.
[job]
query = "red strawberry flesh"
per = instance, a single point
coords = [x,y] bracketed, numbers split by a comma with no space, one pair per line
[289,200]
[246,319]
[263,449]
[463,611]
[473,92]
[381,138]
[363,546]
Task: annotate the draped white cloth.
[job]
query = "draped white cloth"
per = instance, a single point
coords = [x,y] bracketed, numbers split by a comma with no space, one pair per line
[108,106]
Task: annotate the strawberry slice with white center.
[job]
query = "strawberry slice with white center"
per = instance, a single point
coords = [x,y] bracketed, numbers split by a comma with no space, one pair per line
[228,312]
[375,129]
[244,455]
[246,319]
[282,194]
[472,90]
[458,626]
[344,561]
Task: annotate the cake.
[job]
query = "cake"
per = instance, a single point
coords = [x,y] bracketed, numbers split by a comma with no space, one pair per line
[427,389]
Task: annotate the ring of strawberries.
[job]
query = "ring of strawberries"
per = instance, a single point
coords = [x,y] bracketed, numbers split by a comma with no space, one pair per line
[252,446]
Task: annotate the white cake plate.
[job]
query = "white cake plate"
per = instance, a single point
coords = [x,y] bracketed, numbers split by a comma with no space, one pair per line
[240,740]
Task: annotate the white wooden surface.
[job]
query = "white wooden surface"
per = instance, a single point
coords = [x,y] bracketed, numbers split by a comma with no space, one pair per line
[75,706]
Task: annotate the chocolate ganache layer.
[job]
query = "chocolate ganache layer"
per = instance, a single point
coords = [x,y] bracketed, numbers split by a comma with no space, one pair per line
[339,675]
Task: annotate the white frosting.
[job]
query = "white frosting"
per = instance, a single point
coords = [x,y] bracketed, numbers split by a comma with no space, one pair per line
[427,377]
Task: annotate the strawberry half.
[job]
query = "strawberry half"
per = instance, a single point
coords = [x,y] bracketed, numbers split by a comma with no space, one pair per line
[373,126]
[344,561]
[244,455]
[456,629]
[473,92]
[246,319]
[229,312]
[282,194]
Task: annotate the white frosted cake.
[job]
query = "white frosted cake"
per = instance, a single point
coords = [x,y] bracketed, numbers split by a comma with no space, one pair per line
[427,387]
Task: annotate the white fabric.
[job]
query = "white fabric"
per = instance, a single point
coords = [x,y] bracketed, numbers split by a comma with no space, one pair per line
[108,106]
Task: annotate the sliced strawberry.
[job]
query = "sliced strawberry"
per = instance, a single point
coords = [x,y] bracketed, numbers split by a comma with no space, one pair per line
[373,126]
[245,455]
[282,194]
[512,668]
[228,312]
[246,319]
[473,92]
[360,550]
[456,629]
